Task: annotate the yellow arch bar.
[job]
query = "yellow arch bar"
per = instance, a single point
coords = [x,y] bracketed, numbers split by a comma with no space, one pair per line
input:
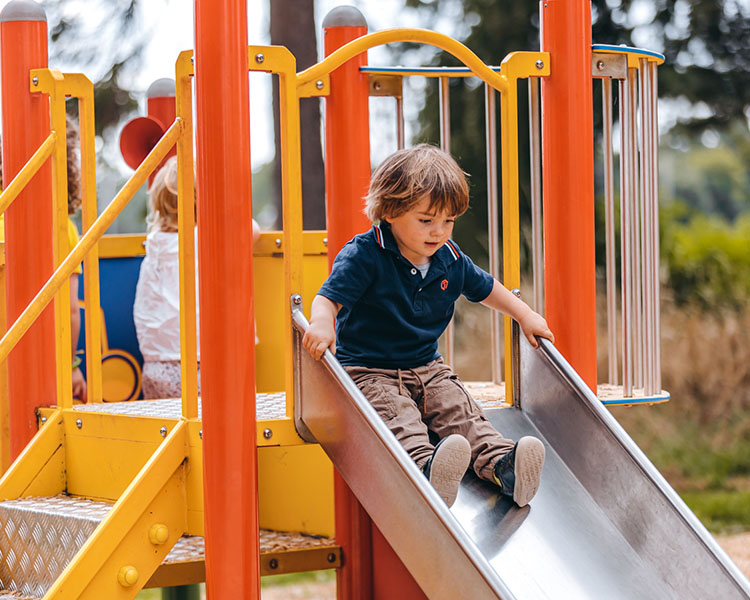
[389,36]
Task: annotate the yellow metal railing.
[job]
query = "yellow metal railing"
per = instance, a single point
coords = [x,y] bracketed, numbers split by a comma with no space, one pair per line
[58,86]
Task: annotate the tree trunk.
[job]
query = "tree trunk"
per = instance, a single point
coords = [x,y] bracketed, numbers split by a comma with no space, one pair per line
[293,26]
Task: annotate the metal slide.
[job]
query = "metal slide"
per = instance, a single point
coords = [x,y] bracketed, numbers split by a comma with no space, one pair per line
[604,524]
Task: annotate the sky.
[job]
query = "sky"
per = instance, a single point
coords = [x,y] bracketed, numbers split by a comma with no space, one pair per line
[174,33]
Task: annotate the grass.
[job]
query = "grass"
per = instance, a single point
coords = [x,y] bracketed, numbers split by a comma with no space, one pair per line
[297,578]
[721,511]
[269,582]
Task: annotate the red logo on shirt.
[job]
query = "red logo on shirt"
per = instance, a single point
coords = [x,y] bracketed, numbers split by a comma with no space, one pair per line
[444,284]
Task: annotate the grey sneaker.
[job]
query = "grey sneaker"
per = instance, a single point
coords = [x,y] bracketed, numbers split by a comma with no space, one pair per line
[518,472]
[447,466]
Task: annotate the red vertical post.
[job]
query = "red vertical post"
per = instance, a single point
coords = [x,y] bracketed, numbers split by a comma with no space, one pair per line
[568,175]
[370,568]
[160,105]
[28,221]
[226,299]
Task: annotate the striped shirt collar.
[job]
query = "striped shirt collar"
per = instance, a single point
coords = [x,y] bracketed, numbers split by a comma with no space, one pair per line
[385,239]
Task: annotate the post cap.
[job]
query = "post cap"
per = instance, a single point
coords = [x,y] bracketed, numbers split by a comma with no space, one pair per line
[161,88]
[344,16]
[22,10]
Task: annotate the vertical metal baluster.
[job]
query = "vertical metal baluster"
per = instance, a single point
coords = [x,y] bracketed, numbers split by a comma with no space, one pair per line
[609,226]
[625,238]
[400,137]
[635,233]
[537,226]
[445,145]
[654,101]
[646,226]
[496,319]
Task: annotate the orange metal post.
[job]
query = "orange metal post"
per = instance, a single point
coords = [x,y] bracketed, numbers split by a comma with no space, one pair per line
[370,568]
[226,300]
[28,221]
[347,143]
[568,175]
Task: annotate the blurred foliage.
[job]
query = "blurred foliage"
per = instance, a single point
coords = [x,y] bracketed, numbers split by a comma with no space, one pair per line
[106,42]
[706,258]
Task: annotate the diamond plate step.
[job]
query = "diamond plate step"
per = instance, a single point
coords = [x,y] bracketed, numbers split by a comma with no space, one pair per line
[39,537]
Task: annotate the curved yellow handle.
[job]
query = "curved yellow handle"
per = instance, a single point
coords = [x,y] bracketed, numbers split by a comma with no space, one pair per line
[389,36]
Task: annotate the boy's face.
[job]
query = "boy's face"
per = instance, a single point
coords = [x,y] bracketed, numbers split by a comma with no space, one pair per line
[421,231]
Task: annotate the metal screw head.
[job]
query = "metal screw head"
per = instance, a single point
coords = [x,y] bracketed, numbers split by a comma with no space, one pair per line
[35,80]
[273,563]
[600,65]
[192,60]
[79,423]
[539,64]
[200,434]
[319,84]
[325,242]
[259,58]
[278,242]
[44,420]
[163,431]
[331,557]
[267,433]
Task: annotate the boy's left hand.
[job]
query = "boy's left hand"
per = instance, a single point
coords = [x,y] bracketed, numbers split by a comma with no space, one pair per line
[533,324]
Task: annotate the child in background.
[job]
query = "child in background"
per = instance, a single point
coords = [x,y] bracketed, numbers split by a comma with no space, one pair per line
[156,311]
[391,292]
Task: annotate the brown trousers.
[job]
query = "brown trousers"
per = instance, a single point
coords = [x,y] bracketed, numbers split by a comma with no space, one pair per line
[413,402]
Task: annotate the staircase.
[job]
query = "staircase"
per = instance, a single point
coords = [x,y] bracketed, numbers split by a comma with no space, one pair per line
[107,499]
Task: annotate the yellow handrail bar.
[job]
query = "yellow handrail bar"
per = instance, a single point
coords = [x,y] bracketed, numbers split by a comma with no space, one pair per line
[28,171]
[89,239]
[388,36]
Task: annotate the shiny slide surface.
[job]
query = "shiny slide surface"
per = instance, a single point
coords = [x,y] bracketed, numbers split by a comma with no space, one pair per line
[604,524]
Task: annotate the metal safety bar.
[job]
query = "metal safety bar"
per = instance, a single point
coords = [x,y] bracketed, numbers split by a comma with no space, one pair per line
[518,65]
[639,214]
[537,225]
[445,146]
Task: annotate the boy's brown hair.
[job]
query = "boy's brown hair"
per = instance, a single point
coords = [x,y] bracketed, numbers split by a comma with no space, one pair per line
[405,177]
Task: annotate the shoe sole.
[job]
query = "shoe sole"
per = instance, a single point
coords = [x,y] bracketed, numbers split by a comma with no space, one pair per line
[449,467]
[528,469]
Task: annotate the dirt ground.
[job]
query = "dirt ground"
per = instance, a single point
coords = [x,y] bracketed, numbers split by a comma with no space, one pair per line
[738,548]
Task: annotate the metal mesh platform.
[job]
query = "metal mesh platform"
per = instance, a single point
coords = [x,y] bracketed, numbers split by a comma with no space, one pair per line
[268,407]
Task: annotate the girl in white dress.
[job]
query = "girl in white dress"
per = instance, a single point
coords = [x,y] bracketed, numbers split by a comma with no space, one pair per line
[156,310]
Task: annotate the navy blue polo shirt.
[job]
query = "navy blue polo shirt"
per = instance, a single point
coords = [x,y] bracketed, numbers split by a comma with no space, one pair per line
[390,316]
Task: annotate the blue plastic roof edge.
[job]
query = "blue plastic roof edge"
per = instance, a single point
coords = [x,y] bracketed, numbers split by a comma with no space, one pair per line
[627,50]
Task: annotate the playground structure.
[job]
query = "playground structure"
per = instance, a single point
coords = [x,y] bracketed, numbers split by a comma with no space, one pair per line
[142,479]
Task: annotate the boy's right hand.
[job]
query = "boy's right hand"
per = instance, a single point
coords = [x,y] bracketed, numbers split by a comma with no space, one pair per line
[318,339]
